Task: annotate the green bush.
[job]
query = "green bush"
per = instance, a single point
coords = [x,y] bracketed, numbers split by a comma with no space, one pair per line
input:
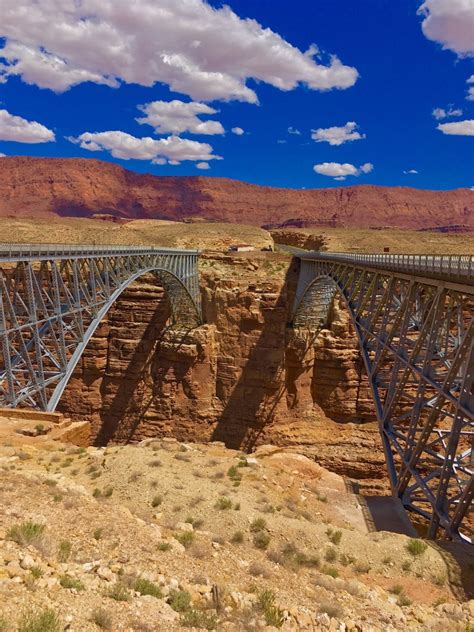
[223,503]
[26,532]
[67,581]
[259,524]
[272,613]
[193,618]
[261,540]
[40,621]
[146,587]
[180,600]
[416,547]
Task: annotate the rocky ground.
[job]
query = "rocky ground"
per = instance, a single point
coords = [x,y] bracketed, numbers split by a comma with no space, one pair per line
[166,535]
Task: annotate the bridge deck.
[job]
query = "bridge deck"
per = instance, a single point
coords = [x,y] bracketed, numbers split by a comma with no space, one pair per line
[453,268]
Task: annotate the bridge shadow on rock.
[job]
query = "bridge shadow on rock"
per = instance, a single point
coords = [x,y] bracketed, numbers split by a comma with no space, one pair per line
[253,387]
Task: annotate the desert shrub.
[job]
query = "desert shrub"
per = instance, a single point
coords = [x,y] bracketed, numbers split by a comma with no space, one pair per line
[164,546]
[67,581]
[406,566]
[98,533]
[403,600]
[157,500]
[330,555]
[119,592]
[36,572]
[25,533]
[238,537]
[397,589]
[102,619]
[259,570]
[39,621]
[186,538]
[223,503]
[334,536]
[259,524]
[261,540]
[416,546]
[180,600]
[155,463]
[4,626]
[272,613]
[346,559]
[362,568]
[330,570]
[193,618]
[146,587]
[64,551]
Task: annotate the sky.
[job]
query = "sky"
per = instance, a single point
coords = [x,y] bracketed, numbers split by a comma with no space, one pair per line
[300,94]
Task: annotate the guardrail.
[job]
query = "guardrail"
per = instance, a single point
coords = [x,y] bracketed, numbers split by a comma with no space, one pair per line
[445,266]
[15,252]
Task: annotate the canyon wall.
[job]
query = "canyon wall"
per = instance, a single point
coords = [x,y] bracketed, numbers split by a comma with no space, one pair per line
[38,187]
[243,378]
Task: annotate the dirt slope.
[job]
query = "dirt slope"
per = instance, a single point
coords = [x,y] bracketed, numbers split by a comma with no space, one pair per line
[37,187]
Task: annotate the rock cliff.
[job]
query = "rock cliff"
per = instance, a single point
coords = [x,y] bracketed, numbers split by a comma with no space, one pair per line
[38,187]
[244,378]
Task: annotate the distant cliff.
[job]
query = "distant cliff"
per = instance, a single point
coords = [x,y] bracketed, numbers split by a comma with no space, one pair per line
[37,187]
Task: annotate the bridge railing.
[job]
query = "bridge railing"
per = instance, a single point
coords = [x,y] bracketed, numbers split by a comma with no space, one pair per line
[455,266]
[15,252]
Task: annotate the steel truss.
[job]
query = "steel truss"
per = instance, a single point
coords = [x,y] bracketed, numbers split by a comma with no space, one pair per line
[413,317]
[52,298]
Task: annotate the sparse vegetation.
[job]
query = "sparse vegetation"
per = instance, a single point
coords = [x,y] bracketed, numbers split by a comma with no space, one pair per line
[332,609]
[164,546]
[330,570]
[334,536]
[157,500]
[102,619]
[39,621]
[180,600]
[67,581]
[26,533]
[119,592]
[64,551]
[146,587]
[98,533]
[238,537]
[261,540]
[194,618]
[259,524]
[223,503]
[416,547]
[186,538]
[272,613]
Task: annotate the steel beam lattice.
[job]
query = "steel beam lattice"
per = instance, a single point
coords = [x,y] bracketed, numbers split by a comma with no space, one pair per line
[52,299]
[414,319]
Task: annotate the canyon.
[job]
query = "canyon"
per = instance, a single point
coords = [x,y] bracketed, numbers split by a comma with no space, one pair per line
[244,378]
[47,187]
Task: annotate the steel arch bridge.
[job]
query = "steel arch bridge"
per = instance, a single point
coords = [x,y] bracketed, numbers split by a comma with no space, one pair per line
[414,320]
[52,298]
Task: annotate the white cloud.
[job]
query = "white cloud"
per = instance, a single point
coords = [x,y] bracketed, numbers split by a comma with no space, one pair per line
[442,113]
[458,128]
[177,117]
[281,142]
[237,130]
[337,135]
[3,155]
[20,130]
[410,171]
[470,90]
[203,165]
[341,171]
[205,52]
[451,23]
[294,130]
[125,146]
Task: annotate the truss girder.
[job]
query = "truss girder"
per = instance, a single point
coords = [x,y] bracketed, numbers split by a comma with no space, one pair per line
[53,298]
[416,334]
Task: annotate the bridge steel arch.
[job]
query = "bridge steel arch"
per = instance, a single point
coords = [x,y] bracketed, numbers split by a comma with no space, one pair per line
[52,299]
[414,320]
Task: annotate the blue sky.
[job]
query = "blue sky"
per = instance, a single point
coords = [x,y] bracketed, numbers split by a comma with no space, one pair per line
[396,68]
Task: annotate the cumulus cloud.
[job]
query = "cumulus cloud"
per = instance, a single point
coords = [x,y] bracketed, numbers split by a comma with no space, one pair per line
[410,171]
[470,90]
[458,128]
[337,135]
[20,130]
[203,165]
[294,130]
[122,145]
[340,171]
[237,130]
[450,23]
[205,52]
[177,117]
[442,113]
[3,156]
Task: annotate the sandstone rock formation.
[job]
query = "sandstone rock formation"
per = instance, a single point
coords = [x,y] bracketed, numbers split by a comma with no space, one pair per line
[244,378]
[38,187]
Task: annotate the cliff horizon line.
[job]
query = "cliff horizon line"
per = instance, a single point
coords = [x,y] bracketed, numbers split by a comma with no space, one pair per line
[86,187]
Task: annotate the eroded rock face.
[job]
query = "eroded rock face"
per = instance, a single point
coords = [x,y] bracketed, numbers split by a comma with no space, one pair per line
[244,378]
[35,187]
